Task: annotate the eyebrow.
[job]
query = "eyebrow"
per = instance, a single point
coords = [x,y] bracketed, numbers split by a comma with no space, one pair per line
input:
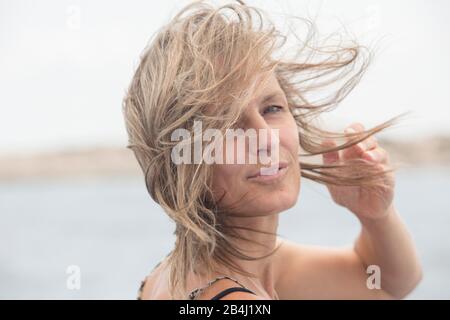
[270,96]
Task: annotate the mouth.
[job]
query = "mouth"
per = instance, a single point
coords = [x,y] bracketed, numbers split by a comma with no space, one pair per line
[269,173]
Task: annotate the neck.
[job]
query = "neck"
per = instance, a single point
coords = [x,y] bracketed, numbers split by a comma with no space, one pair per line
[265,244]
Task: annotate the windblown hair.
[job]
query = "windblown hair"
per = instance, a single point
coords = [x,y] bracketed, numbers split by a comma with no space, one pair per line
[203,65]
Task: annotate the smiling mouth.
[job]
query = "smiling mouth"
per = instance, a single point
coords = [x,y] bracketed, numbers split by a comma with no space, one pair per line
[269,173]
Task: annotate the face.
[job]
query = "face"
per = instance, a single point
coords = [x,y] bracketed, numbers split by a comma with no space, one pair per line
[271,191]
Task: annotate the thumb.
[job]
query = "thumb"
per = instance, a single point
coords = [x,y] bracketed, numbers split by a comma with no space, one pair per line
[329,157]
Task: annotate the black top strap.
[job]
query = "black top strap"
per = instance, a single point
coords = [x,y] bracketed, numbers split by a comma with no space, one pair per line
[230,290]
[197,292]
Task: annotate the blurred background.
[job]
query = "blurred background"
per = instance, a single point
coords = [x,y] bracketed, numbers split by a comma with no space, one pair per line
[72,198]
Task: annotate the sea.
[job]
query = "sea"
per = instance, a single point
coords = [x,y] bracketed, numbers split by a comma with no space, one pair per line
[97,237]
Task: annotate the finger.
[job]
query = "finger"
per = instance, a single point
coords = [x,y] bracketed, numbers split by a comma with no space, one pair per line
[358,149]
[367,144]
[330,157]
[378,155]
[370,143]
[357,126]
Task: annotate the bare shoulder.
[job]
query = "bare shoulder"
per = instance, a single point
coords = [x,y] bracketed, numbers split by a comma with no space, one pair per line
[155,288]
[307,259]
[321,272]
[286,250]
[290,249]
[154,285]
[296,268]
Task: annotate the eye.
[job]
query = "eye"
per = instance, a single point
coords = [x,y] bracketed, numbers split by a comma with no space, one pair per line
[272,109]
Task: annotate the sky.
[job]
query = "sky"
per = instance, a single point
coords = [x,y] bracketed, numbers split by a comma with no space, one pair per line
[65,65]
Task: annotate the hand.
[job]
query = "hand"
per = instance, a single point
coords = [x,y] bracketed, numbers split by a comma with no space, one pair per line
[364,202]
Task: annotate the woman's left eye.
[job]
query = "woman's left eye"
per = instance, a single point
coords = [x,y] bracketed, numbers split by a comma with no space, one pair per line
[272,109]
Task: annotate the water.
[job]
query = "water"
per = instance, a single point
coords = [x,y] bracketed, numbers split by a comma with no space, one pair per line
[113,231]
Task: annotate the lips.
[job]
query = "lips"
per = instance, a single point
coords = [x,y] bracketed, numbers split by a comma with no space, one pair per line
[267,171]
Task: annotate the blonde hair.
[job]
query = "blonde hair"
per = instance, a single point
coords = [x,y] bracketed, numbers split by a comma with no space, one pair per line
[203,65]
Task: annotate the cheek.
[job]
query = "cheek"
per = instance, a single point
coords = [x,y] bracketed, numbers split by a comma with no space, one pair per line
[225,179]
[289,139]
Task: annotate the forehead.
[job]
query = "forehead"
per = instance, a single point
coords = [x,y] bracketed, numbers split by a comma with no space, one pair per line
[267,89]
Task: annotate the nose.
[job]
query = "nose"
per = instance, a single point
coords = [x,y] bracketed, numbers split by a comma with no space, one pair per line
[267,139]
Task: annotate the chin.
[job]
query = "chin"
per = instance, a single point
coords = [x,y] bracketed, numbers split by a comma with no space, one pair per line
[277,202]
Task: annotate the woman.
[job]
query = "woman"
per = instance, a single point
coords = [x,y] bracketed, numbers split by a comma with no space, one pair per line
[217,67]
